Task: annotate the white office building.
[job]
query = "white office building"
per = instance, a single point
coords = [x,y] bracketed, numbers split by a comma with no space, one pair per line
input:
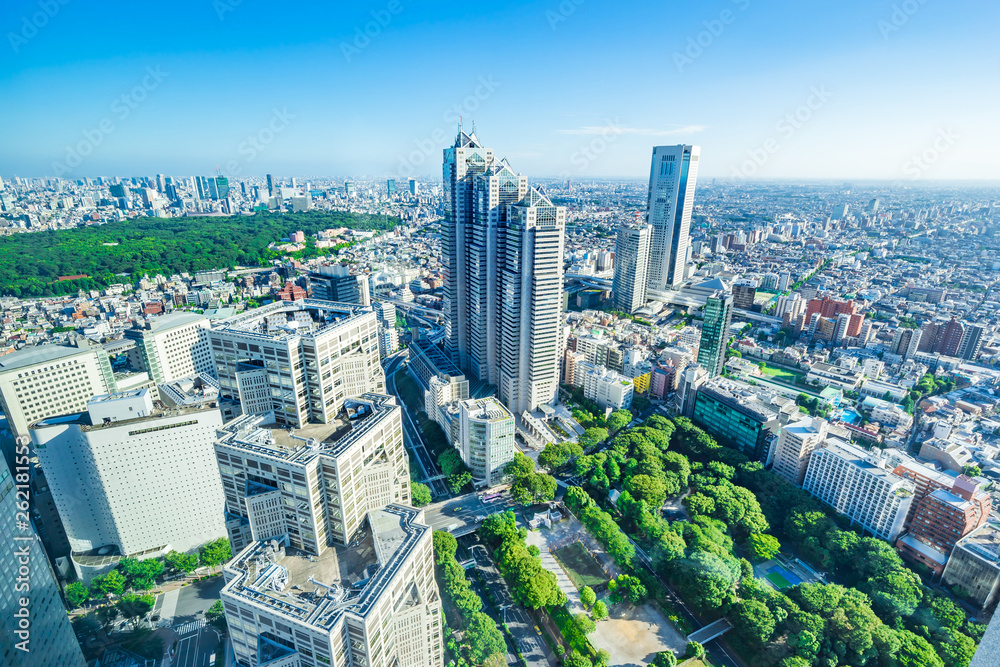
[672,177]
[486,439]
[173,346]
[300,360]
[133,478]
[609,389]
[631,266]
[50,380]
[852,482]
[796,443]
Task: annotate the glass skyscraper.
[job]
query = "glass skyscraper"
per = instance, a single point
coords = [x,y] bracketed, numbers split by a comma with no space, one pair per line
[672,177]
[715,332]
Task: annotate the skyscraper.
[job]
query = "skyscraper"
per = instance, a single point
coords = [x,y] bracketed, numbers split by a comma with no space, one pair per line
[631,266]
[391,186]
[414,188]
[715,332]
[270,185]
[672,177]
[221,187]
[503,254]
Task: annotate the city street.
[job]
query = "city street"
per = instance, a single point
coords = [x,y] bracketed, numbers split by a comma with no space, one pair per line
[463,514]
[194,648]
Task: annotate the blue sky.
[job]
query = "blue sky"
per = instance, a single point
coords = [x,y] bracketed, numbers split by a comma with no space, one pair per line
[883,89]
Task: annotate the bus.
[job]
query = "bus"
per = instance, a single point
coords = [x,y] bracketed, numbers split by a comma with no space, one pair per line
[491,497]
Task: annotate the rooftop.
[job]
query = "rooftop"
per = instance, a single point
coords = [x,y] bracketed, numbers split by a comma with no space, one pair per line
[161,323]
[40,354]
[984,542]
[286,319]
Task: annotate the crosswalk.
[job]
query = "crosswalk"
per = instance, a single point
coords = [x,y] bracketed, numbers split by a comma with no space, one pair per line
[190,627]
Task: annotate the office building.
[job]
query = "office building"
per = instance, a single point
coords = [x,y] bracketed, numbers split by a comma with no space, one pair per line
[48,638]
[133,478]
[672,177]
[974,565]
[486,439]
[335,282]
[349,189]
[298,359]
[607,388]
[50,380]
[270,185]
[173,346]
[414,187]
[388,341]
[221,187]
[391,186]
[373,603]
[940,519]
[715,332]
[313,485]
[796,443]
[744,293]
[631,266]
[503,255]
[853,482]
[736,417]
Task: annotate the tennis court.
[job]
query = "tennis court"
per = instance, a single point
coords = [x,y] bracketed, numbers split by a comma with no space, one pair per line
[580,566]
[782,578]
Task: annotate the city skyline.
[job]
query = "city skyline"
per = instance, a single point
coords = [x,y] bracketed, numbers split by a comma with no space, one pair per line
[764,89]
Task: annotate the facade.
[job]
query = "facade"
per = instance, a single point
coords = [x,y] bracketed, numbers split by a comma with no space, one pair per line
[715,332]
[486,439]
[672,177]
[607,388]
[134,476]
[49,639]
[300,360]
[744,293]
[315,484]
[849,480]
[503,247]
[337,283]
[631,266]
[373,603]
[974,565]
[796,443]
[738,419]
[173,346]
[50,380]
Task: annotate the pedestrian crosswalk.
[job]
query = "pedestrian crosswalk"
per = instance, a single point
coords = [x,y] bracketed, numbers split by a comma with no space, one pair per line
[188,628]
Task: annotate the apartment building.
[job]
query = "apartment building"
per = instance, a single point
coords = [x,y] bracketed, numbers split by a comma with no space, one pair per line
[300,360]
[131,477]
[606,387]
[373,603]
[50,380]
[853,482]
[974,565]
[796,443]
[486,438]
[173,346]
[315,483]
[631,266]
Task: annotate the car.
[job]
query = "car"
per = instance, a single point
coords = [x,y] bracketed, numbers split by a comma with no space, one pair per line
[538,630]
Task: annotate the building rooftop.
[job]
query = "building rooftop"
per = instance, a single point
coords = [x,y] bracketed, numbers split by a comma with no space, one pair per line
[40,354]
[282,320]
[161,323]
[489,409]
[744,401]
[194,390]
[984,542]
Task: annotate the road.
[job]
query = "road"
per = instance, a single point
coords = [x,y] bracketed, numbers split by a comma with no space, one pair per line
[413,439]
[464,513]
[519,624]
[194,648]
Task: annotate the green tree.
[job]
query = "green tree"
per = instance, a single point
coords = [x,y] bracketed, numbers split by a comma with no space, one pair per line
[587,597]
[112,583]
[763,546]
[972,470]
[215,553]
[520,466]
[664,659]
[485,639]
[533,488]
[216,617]
[694,650]
[592,437]
[954,648]
[77,594]
[649,489]
[602,659]
[458,480]
[577,659]
[754,621]
[140,575]
[420,494]
[107,616]
[133,607]
[618,420]
[583,623]
[600,611]
[179,562]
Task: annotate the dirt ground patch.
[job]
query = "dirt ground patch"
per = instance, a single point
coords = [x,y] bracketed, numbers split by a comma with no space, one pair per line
[634,635]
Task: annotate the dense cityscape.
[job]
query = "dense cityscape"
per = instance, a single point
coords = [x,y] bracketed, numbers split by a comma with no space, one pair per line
[551,334]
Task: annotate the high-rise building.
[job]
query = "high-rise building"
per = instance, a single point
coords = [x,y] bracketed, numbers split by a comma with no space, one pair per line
[715,332]
[270,185]
[45,636]
[349,189]
[173,346]
[974,565]
[221,187]
[503,248]
[298,359]
[972,341]
[607,388]
[905,342]
[391,186]
[414,187]
[853,482]
[486,438]
[672,178]
[315,484]
[631,266]
[744,293]
[133,476]
[796,444]
[735,417]
[51,380]
[335,282]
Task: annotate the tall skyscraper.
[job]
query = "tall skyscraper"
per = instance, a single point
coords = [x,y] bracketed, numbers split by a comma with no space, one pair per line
[486,438]
[672,178]
[391,186]
[503,254]
[270,185]
[715,332]
[414,187]
[631,266]
[221,187]
[46,636]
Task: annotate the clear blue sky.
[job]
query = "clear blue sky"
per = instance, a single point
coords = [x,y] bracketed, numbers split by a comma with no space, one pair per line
[560,74]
